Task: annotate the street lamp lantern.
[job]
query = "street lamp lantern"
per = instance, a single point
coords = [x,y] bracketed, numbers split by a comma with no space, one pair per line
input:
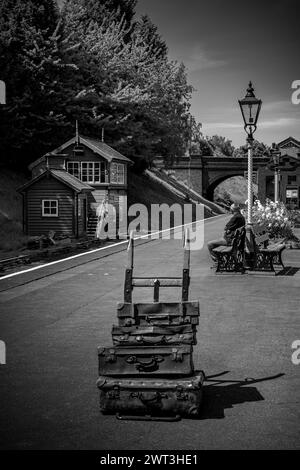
[275,152]
[250,108]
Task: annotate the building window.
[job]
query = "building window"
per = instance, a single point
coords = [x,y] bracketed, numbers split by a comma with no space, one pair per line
[88,172]
[50,208]
[74,169]
[292,179]
[117,173]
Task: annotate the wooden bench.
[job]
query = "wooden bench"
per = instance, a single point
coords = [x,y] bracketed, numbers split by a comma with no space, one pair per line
[231,258]
[266,253]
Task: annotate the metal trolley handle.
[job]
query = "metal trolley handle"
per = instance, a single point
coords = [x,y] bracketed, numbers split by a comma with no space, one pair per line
[148,418]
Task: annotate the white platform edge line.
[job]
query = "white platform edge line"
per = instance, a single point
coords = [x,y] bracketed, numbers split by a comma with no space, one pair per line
[52,263]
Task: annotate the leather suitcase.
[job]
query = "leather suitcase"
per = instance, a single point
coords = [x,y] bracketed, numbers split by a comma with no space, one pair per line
[153,335]
[142,361]
[158,313]
[151,398]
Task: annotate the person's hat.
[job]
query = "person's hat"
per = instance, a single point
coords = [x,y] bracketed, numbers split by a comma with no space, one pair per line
[235,207]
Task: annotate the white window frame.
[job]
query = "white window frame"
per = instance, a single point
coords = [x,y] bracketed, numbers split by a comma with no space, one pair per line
[89,170]
[55,207]
[119,173]
[72,164]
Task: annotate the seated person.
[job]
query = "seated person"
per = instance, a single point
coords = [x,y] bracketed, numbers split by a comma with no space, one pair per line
[236,221]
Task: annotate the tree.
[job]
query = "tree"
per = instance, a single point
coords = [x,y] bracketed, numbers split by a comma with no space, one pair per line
[145,29]
[130,87]
[94,64]
[259,150]
[221,145]
[106,11]
[40,14]
[32,66]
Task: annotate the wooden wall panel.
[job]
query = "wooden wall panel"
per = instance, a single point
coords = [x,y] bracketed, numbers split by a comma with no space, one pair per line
[50,188]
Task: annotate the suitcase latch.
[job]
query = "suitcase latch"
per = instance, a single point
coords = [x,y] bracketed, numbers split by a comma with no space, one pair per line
[114,394]
[177,355]
[111,356]
[180,395]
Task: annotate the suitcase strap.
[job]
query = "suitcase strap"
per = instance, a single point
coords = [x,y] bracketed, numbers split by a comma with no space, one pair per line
[148,418]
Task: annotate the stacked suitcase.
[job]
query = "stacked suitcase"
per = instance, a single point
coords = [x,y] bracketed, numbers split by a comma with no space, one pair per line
[148,372]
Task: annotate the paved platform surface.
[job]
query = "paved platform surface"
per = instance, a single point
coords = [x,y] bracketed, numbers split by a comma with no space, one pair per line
[52,327]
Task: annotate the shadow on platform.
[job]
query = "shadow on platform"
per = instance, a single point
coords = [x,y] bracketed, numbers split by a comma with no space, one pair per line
[288,271]
[224,394]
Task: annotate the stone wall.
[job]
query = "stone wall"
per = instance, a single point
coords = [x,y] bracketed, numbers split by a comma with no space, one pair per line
[192,178]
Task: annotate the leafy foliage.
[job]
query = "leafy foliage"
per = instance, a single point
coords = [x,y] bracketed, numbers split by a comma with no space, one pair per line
[213,146]
[35,68]
[221,145]
[259,150]
[107,10]
[134,91]
[94,63]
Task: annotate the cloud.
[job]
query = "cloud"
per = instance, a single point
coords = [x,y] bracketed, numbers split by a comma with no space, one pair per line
[267,124]
[279,122]
[197,59]
[222,125]
[280,106]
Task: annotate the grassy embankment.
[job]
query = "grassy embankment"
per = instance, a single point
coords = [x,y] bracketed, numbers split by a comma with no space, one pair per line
[11,235]
[141,189]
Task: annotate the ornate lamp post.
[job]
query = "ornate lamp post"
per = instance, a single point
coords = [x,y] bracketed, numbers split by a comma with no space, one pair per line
[250,108]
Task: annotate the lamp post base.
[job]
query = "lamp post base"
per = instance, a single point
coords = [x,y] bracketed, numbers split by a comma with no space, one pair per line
[249,247]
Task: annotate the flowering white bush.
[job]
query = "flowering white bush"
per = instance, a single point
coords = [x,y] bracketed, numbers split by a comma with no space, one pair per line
[273,217]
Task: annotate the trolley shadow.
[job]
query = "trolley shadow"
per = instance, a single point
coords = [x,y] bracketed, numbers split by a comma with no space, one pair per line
[224,394]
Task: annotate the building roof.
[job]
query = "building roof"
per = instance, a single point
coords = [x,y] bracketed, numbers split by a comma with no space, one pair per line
[100,148]
[289,140]
[71,180]
[288,162]
[44,159]
[62,176]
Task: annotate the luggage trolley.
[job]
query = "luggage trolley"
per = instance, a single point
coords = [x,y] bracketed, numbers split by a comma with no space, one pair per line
[149,374]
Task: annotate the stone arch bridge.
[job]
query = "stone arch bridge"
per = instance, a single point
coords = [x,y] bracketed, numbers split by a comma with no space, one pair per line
[205,173]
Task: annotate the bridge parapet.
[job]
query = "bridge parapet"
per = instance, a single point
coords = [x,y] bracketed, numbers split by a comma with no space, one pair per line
[204,173]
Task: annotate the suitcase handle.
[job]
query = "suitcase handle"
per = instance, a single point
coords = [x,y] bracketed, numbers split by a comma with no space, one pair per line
[162,316]
[154,340]
[148,366]
[152,319]
[148,418]
[149,396]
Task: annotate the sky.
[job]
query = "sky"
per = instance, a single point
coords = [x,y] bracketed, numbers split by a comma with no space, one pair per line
[225,44]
